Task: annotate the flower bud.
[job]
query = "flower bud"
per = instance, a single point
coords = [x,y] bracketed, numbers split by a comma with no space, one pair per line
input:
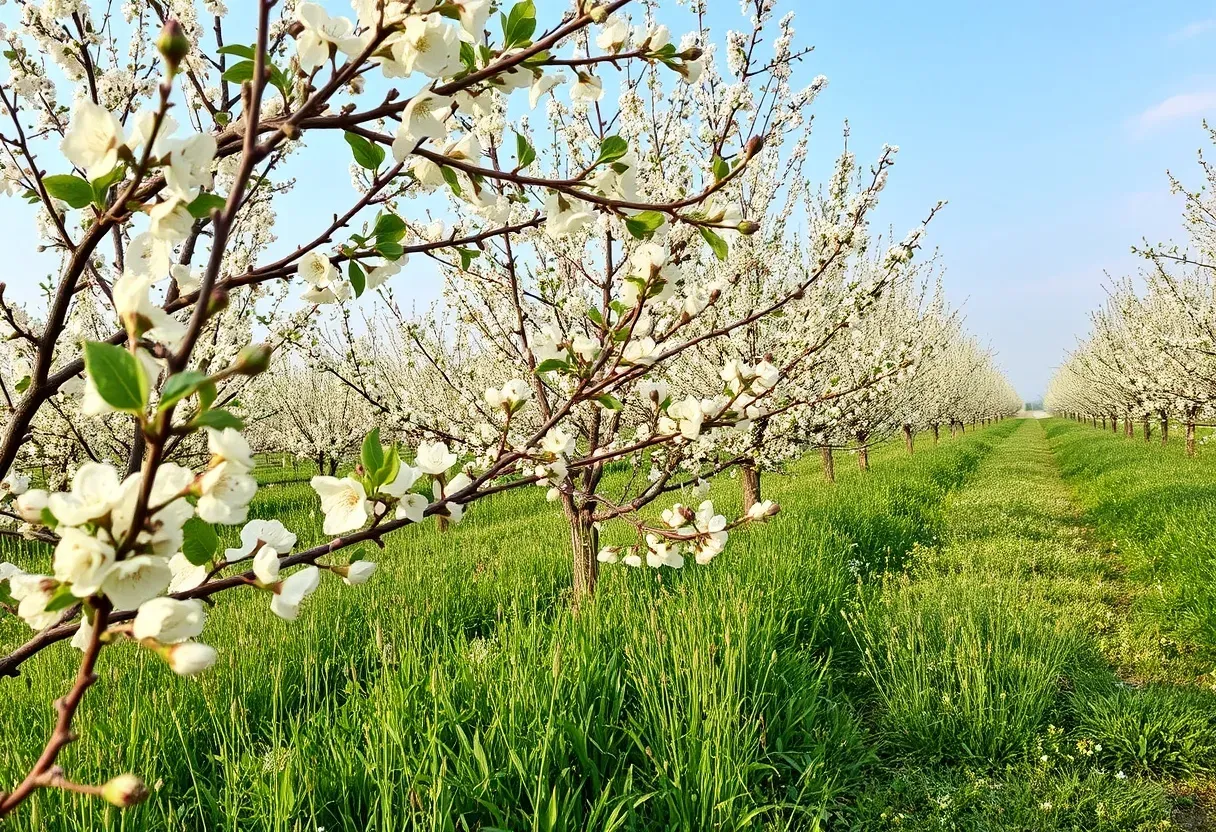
[692,54]
[189,657]
[125,790]
[218,302]
[748,227]
[31,504]
[253,359]
[173,45]
[754,145]
[355,573]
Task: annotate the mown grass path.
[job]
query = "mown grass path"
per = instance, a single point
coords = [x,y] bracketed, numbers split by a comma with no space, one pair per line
[995,701]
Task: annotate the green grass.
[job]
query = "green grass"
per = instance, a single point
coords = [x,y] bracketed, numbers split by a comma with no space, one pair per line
[1153,504]
[923,647]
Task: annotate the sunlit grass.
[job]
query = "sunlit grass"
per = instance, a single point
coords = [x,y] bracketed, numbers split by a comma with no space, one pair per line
[917,641]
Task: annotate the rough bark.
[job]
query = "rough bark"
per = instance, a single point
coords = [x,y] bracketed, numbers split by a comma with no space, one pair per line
[1148,429]
[585,546]
[1190,438]
[1165,430]
[829,463]
[936,433]
[908,439]
[749,477]
[863,452]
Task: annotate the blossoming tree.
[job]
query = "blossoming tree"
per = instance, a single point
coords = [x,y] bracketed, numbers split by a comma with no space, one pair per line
[562,341]
[157,164]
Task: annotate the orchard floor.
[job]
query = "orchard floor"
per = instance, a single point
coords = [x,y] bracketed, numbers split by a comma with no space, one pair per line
[1013,630]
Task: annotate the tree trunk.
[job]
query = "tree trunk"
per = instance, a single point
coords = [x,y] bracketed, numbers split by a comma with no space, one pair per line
[749,476]
[908,442]
[1129,429]
[584,545]
[1165,429]
[936,434]
[863,453]
[1103,423]
[1190,438]
[953,429]
[333,466]
[829,463]
[1148,429]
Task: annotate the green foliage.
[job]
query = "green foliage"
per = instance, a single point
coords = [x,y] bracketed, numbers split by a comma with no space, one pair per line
[73,190]
[643,224]
[367,155]
[1158,729]
[519,24]
[459,690]
[117,375]
[200,541]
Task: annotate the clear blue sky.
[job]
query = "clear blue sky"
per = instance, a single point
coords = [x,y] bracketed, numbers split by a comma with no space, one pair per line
[1047,125]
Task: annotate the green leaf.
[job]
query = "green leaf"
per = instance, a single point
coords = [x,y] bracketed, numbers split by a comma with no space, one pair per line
[643,225]
[358,280]
[367,155]
[519,24]
[117,375]
[595,316]
[48,518]
[6,597]
[102,184]
[611,149]
[389,249]
[358,555]
[199,541]
[180,385]
[372,455]
[240,72]
[72,189]
[279,81]
[609,402]
[715,242]
[391,467]
[467,256]
[467,56]
[721,169]
[524,152]
[449,176]
[389,227]
[218,419]
[62,599]
[203,204]
[550,365]
[206,395]
[238,49]
[23,384]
